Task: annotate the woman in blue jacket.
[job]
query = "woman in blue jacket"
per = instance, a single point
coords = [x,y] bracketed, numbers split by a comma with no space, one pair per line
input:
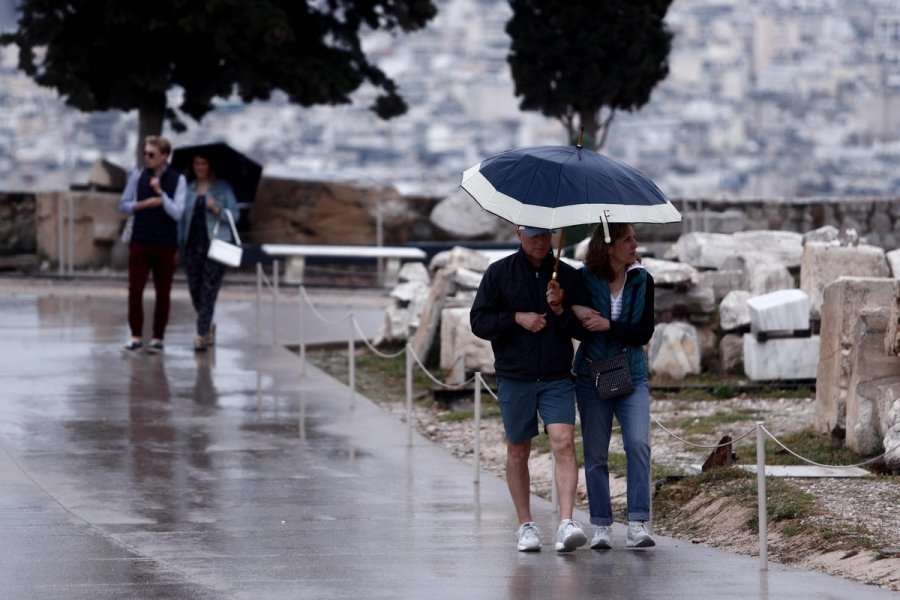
[620,318]
[206,204]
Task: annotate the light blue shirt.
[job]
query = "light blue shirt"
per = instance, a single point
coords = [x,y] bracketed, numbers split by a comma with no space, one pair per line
[174,207]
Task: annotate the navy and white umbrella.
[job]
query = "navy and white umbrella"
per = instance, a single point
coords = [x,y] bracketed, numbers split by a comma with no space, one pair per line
[560,186]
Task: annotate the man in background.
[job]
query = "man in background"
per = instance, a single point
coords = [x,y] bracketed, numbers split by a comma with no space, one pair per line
[155,197]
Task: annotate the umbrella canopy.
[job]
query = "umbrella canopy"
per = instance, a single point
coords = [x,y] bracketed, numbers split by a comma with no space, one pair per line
[241,172]
[560,186]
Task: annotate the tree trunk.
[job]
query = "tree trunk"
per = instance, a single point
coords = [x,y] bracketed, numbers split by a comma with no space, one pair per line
[596,128]
[150,115]
[591,127]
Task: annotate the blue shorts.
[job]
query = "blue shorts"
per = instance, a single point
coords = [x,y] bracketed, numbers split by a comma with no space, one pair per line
[521,401]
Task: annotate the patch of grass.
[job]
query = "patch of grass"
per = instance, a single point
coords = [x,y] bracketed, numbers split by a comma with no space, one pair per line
[854,535]
[796,393]
[714,421]
[383,379]
[783,501]
[724,391]
[579,452]
[617,463]
[713,386]
[705,378]
[541,443]
[465,415]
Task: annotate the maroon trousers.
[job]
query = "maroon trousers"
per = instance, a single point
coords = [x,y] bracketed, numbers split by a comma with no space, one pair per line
[142,259]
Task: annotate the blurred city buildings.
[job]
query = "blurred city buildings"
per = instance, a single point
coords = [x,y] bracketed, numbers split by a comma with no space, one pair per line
[765,99]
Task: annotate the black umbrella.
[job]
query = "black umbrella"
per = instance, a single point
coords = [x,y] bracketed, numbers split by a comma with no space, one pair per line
[228,164]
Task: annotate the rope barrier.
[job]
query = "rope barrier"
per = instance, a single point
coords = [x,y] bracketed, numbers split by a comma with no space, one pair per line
[372,348]
[865,462]
[663,427]
[440,383]
[418,361]
[320,316]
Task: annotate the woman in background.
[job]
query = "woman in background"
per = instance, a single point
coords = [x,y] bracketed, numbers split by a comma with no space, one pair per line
[207,200]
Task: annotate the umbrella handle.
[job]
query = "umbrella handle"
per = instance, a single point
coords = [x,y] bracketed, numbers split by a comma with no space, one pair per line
[553,282]
[604,219]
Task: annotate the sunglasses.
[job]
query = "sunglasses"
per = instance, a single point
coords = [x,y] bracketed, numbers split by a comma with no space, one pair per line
[150,154]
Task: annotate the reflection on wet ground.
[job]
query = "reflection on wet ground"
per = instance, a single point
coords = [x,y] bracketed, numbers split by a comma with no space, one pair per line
[228,475]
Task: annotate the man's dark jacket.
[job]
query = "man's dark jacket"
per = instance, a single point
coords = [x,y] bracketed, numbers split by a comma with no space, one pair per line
[513,285]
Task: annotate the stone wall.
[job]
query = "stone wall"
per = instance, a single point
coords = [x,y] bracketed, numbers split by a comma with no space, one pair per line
[97,225]
[17,228]
[876,219]
[27,225]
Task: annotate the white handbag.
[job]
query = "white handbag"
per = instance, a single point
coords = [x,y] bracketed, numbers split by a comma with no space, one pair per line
[225,252]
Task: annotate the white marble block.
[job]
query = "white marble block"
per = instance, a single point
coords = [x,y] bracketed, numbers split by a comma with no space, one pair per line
[783,310]
[674,350]
[458,341]
[733,310]
[823,263]
[667,272]
[781,359]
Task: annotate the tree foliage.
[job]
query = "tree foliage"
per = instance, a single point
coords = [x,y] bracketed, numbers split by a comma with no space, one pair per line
[586,58]
[126,54]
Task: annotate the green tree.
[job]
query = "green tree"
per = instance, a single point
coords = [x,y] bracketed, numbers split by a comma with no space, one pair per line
[587,58]
[127,54]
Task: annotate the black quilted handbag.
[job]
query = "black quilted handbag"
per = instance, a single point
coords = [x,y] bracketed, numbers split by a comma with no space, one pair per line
[612,376]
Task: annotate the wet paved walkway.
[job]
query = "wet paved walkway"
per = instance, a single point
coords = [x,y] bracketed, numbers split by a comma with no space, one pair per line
[228,475]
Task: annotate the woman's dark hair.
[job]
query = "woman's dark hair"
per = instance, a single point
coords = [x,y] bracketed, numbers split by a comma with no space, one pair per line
[596,259]
[189,169]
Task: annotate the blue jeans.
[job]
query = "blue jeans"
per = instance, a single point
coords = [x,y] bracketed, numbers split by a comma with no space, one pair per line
[633,414]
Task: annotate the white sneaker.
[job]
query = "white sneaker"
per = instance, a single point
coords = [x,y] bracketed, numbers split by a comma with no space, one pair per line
[569,536]
[638,536]
[529,537]
[602,538]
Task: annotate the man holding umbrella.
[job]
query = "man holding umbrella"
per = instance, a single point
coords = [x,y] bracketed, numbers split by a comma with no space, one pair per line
[533,352]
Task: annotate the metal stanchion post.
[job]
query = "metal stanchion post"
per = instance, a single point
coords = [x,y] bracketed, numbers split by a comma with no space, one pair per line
[258,302]
[59,231]
[302,424]
[274,302]
[302,332]
[477,449]
[71,235]
[351,356]
[379,241]
[409,394]
[761,499]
